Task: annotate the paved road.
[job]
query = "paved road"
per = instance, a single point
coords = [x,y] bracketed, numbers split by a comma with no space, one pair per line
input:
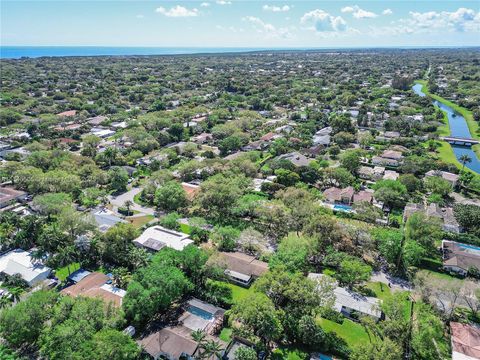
[119,200]
[395,283]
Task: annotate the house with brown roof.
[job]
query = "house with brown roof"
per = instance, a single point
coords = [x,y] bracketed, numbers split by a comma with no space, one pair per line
[242,268]
[336,195]
[363,196]
[170,343]
[460,258]
[450,177]
[96,285]
[68,113]
[465,341]
[190,189]
[9,195]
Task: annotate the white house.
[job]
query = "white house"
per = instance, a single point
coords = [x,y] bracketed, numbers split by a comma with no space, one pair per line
[20,262]
[157,237]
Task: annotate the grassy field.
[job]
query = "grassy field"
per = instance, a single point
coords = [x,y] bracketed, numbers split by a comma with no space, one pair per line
[62,273]
[139,221]
[185,228]
[349,331]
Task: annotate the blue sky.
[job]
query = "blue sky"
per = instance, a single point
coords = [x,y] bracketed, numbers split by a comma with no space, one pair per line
[230,23]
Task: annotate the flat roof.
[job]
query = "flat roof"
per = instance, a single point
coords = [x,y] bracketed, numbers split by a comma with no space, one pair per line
[157,237]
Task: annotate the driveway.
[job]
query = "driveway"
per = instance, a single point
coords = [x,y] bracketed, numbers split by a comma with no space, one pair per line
[393,282]
[118,201]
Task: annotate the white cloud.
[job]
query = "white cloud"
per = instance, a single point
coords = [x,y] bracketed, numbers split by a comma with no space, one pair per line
[358,13]
[460,20]
[177,11]
[275,8]
[223,2]
[205,4]
[139,16]
[269,30]
[322,21]
[387,12]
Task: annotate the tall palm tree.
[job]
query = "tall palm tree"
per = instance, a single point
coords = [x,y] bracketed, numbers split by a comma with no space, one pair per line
[211,348]
[15,292]
[464,159]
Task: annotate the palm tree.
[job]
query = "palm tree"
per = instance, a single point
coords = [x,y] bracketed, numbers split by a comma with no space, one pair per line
[67,255]
[4,302]
[464,159]
[15,292]
[211,348]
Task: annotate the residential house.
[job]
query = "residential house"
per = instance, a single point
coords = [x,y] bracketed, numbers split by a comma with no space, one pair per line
[97,120]
[21,262]
[391,175]
[445,215]
[105,219]
[176,342]
[242,268]
[450,177]
[68,113]
[202,138]
[363,196]
[21,153]
[378,160]
[296,159]
[96,285]
[336,195]
[9,195]
[460,258]
[157,237]
[190,189]
[102,133]
[465,340]
[352,304]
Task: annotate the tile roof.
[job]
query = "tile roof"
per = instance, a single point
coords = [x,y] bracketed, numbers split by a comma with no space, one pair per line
[465,340]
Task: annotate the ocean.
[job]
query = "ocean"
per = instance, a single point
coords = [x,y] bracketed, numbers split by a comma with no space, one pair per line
[17,52]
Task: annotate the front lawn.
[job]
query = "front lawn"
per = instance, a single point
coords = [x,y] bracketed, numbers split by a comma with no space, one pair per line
[139,221]
[63,272]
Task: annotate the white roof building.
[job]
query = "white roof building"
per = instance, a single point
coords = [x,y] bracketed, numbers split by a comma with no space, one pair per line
[156,238]
[20,262]
[348,301]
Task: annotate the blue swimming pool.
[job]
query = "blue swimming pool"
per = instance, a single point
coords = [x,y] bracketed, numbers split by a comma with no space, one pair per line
[200,312]
[340,207]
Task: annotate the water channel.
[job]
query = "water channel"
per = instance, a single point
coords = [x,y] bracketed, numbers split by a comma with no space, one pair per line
[459,128]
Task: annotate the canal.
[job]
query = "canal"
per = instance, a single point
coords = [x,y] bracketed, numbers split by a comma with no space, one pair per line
[458,127]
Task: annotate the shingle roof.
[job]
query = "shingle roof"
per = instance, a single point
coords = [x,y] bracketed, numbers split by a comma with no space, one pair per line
[465,340]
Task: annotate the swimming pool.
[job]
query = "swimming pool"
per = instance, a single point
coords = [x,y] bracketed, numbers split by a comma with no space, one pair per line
[340,207]
[200,312]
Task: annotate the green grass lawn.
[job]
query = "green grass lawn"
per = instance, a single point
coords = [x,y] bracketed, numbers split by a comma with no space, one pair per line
[381,290]
[239,293]
[446,154]
[226,334]
[139,221]
[185,228]
[350,331]
[62,273]
[289,354]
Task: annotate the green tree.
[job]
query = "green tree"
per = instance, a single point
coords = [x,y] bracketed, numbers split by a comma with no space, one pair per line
[117,179]
[22,324]
[153,289]
[257,315]
[438,185]
[353,271]
[464,159]
[351,160]
[245,353]
[111,344]
[292,253]
[391,192]
[171,196]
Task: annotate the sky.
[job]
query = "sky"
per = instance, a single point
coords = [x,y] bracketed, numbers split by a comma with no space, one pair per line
[235,23]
